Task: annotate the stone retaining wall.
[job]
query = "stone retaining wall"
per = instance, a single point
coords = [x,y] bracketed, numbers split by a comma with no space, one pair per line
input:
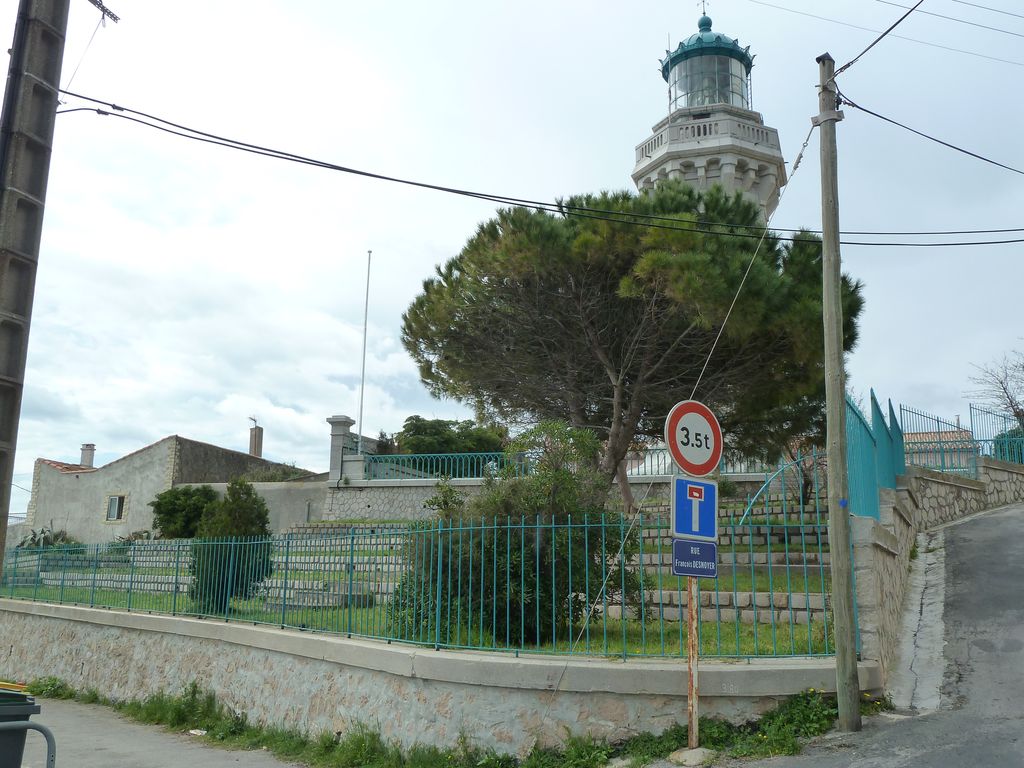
[1004,482]
[321,683]
[881,567]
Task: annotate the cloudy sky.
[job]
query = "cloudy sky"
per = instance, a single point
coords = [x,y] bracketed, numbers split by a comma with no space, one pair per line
[184,287]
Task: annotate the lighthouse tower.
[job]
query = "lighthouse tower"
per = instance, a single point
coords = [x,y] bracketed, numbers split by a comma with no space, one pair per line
[711,135]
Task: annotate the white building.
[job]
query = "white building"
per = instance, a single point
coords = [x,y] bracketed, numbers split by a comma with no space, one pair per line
[710,134]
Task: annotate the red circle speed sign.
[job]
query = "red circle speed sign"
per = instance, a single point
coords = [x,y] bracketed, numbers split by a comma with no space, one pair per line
[694,438]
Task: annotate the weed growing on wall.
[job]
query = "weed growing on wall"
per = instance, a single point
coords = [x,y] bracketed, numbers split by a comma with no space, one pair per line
[810,713]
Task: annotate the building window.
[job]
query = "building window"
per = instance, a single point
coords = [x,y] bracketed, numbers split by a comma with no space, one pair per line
[115,507]
[705,80]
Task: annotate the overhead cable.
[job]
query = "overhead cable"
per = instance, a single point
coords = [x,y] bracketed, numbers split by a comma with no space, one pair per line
[750,265]
[987,8]
[930,138]
[898,37]
[956,19]
[556,208]
[876,41]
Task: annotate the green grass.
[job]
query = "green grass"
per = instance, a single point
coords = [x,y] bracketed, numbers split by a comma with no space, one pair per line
[795,548]
[779,732]
[740,579]
[717,639]
[606,636]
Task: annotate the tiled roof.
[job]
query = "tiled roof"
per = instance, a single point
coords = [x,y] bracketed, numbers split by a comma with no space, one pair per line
[62,466]
[946,436]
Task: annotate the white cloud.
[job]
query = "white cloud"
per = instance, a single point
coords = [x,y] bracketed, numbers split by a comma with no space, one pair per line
[183,287]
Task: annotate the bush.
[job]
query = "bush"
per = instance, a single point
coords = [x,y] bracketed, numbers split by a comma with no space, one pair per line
[47,538]
[526,560]
[275,473]
[235,555]
[240,513]
[50,687]
[177,511]
[1009,446]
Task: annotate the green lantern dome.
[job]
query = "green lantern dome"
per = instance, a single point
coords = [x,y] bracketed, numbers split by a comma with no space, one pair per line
[708,68]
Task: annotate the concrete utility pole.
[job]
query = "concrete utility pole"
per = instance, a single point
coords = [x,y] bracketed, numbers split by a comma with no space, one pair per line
[847,683]
[26,141]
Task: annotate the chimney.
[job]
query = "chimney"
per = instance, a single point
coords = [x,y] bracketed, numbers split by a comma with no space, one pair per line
[88,454]
[255,439]
[340,428]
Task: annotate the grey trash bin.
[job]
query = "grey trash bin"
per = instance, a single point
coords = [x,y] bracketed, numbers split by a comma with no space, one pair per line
[14,706]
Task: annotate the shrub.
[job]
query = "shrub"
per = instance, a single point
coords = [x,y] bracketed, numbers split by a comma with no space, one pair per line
[448,501]
[47,538]
[527,559]
[177,511]
[50,687]
[275,473]
[240,513]
[1009,446]
[235,555]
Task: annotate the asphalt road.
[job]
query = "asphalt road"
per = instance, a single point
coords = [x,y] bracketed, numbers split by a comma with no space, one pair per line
[91,736]
[980,720]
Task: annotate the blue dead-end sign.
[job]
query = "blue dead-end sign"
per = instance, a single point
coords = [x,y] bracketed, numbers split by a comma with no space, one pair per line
[694,558]
[695,509]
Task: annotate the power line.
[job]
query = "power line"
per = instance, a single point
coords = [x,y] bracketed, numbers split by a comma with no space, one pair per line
[954,18]
[876,41]
[746,274]
[187,132]
[556,208]
[986,8]
[86,51]
[898,37]
[930,138]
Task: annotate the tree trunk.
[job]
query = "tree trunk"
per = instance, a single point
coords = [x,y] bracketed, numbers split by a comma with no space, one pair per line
[628,502]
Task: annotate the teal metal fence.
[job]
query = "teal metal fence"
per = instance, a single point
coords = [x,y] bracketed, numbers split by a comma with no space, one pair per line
[939,444]
[652,462]
[999,435]
[436,465]
[592,585]
[875,455]
[655,462]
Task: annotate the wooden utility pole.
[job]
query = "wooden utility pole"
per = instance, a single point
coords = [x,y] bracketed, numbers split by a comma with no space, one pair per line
[26,141]
[847,683]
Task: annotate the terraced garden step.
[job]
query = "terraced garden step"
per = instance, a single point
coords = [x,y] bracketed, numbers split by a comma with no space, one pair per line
[740,557]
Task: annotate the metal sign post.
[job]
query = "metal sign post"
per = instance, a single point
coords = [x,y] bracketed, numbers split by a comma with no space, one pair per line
[692,663]
[694,555]
[694,440]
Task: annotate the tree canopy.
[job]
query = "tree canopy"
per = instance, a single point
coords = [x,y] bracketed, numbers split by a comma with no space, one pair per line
[420,435]
[607,324]
[1001,384]
[177,511]
[241,512]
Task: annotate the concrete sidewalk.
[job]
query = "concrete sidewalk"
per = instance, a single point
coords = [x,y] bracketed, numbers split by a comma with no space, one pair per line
[91,736]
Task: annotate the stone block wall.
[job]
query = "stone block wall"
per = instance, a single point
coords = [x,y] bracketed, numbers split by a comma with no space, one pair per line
[1004,482]
[881,568]
[386,500]
[412,695]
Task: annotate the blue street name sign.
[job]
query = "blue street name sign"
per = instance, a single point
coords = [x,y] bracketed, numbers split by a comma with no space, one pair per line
[694,509]
[694,558]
